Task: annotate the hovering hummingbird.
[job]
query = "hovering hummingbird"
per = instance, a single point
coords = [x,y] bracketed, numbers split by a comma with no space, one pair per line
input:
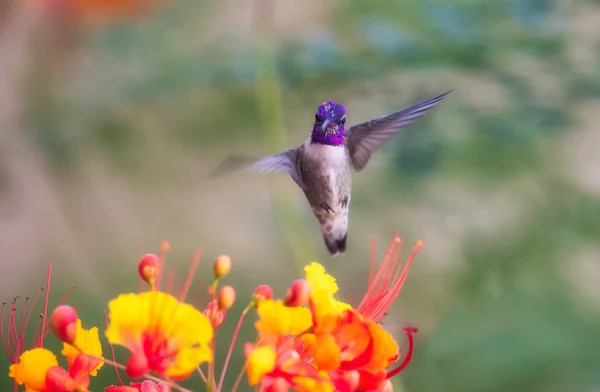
[322,165]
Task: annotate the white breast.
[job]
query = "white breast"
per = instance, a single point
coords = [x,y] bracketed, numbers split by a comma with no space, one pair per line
[332,155]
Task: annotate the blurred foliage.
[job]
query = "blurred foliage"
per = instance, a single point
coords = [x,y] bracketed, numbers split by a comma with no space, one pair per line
[509,319]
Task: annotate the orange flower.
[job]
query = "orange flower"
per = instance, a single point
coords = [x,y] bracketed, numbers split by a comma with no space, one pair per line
[351,342]
[38,368]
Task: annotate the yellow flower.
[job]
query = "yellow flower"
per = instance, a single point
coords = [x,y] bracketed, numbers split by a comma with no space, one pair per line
[276,319]
[322,289]
[88,342]
[260,362]
[31,369]
[173,336]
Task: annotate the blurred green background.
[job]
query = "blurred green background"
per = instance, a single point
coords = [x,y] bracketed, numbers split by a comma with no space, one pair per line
[107,133]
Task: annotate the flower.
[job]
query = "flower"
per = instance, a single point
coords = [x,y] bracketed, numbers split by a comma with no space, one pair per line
[38,368]
[88,342]
[172,336]
[31,369]
[334,345]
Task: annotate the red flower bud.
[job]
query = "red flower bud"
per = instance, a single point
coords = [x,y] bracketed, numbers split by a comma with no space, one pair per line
[150,386]
[213,313]
[137,365]
[262,293]
[222,266]
[64,323]
[226,297]
[148,268]
[279,384]
[298,294]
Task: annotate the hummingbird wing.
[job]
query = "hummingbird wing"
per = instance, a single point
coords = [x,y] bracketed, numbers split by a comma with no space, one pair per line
[284,162]
[365,138]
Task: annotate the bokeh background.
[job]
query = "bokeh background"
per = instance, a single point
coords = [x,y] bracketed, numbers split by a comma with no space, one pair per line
[112,113]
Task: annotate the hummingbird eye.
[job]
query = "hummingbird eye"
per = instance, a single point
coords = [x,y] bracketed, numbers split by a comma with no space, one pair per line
[343,120]
[318,118]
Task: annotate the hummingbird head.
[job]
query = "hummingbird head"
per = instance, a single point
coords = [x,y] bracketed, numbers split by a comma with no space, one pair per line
[330,120]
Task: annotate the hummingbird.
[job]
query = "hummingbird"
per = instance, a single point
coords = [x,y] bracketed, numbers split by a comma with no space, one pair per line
[322,165]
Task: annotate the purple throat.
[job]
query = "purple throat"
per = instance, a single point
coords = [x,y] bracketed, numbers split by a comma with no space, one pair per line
[332,138]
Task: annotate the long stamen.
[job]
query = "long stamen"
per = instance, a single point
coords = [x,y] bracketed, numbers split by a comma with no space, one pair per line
[45,313]
[410,335]
[4,338]
[188,281]
[233,339]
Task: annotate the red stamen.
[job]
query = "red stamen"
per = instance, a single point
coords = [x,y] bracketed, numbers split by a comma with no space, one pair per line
[35,333]
[230,351]
[410,335]
[112,351]
[385,286]
[3,338]
[21,327]
[45,313]
[190,276]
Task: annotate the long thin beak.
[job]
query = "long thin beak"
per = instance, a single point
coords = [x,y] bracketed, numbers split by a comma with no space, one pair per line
[324,126]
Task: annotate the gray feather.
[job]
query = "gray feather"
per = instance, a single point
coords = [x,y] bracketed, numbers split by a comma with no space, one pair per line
[284,162]
[365,138]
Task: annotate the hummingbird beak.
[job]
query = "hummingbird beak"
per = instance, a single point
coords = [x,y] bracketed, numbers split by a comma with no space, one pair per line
[324,126]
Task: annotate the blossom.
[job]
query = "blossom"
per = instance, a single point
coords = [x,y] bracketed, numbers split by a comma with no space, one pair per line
[334,344]
[31,369]
[170,335]
[87,342]
[351,342]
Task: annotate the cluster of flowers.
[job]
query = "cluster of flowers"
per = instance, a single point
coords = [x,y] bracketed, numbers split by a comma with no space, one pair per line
[307,341]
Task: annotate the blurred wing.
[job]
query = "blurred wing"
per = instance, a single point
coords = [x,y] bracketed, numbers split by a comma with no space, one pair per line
[365,138]
[284,162]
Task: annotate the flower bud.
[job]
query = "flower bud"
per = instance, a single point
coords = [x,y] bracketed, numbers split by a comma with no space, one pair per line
[213,313]
[222,266]
[298,294]
[148,268]
[64,323]
[279,384]
[137,365]
[226,297]
[151,386]
[262,293]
